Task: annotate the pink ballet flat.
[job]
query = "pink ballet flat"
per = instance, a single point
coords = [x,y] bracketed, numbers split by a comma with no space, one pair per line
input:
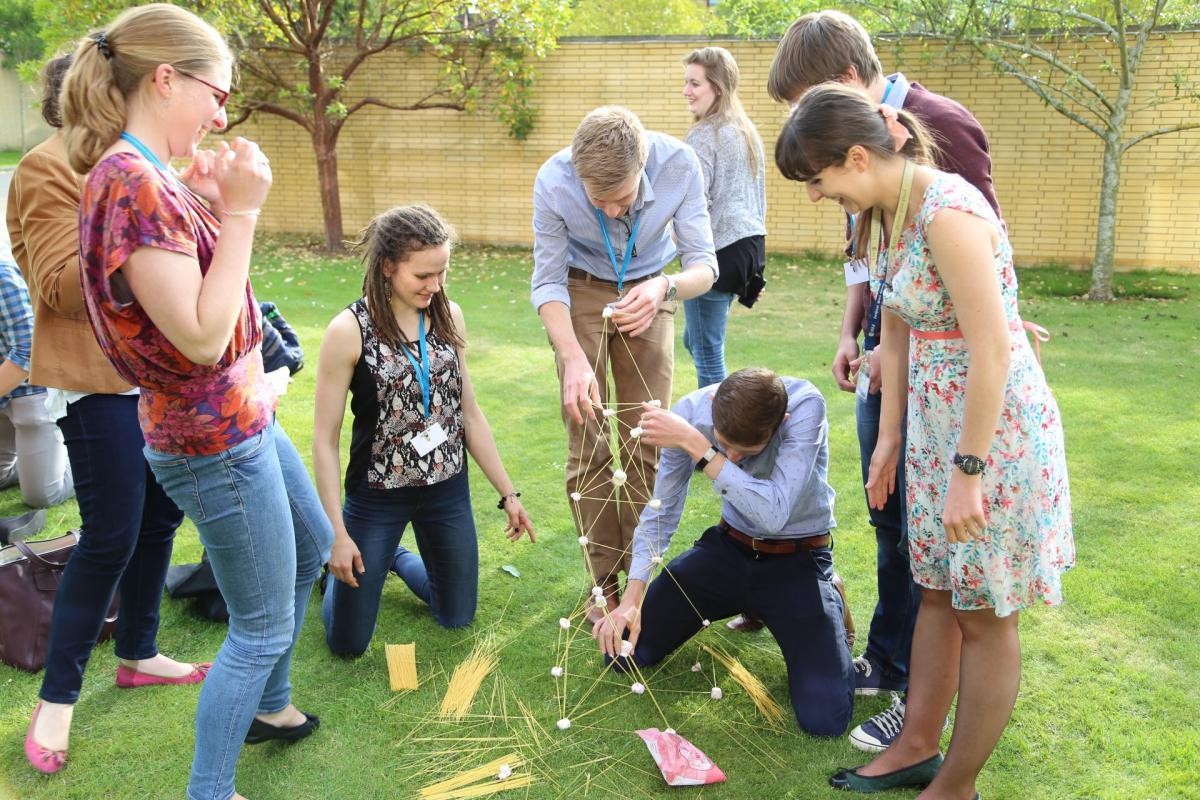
[132,679]
[43,760]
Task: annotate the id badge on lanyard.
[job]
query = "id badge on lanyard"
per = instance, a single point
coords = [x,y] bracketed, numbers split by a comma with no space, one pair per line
[433,434]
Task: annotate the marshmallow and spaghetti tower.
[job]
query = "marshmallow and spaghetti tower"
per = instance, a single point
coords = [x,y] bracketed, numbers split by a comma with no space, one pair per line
[627,485]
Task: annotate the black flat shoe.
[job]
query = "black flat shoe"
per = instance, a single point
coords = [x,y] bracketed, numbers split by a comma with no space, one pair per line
[919,774]
[264,732]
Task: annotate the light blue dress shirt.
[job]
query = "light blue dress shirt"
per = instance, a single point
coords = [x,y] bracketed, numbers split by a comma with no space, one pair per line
[781,493]
[566,233]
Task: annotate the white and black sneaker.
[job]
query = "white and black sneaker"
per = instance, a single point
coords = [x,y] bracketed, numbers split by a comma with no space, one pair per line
[874,735]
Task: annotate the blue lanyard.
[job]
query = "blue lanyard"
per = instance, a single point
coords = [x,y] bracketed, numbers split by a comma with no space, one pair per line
[628,247]
[140,146]
[421,367]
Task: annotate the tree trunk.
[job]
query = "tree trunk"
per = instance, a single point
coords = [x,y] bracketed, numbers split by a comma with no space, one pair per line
[1106,219]
[325,149]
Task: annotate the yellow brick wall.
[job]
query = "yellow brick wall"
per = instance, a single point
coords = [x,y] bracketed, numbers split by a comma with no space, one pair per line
[1046,168]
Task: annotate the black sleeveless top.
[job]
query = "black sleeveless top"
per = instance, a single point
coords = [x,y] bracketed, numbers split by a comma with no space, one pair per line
[385,399]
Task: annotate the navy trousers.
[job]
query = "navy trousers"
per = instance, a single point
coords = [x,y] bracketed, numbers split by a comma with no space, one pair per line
[719,577]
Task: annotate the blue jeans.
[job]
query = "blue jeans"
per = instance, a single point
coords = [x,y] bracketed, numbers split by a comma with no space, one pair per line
[792,594]
[704,334]
[128,530]
[889,642]
[445,575]
[266,535]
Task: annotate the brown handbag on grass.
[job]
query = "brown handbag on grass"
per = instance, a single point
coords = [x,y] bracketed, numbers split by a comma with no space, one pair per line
[29,576]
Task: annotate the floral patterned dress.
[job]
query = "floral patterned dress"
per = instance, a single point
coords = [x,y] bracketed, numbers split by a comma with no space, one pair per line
[1027,544]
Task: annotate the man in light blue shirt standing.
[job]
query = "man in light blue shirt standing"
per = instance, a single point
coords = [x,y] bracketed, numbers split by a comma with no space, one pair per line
[611,213]
[763,441]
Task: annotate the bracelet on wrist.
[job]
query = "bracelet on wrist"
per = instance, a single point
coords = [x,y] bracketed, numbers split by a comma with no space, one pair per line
[249,212]
[505,498]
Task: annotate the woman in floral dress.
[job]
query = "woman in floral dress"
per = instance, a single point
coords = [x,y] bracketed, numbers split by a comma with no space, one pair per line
[989,514]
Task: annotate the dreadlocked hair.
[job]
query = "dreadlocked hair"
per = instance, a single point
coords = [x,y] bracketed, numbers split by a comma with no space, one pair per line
[390,239]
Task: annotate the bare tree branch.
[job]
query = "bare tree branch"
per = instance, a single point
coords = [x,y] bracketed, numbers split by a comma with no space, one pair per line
[1053,61]
[1186,126]
[421,105]
[280,111]
[1056,104]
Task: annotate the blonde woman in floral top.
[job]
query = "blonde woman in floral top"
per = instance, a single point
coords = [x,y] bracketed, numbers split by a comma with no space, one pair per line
[165,268]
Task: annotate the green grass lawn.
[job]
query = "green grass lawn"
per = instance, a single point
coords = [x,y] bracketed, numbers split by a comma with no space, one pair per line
[1106,708]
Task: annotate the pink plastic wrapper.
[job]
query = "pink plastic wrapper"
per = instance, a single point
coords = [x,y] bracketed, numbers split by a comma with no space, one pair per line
[681,762]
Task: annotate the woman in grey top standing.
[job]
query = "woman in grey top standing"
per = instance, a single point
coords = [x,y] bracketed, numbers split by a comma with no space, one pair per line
[731,155]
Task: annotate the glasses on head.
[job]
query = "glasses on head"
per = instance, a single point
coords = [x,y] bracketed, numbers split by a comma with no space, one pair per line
[222,94]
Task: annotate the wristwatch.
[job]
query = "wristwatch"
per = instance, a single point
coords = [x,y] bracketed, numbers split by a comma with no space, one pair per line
[671,291]
[708,456]
[970,465]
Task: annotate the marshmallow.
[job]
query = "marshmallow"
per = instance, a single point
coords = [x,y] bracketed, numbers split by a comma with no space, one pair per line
[670,731]
[583,540]
[638,688]
[610,412]
[657,404]
[655,503]
[556,672]
[618,477]
[564,623]
[626,648]
[636,433]
[656,560]
[705,623]
[505,772]
[564,723]
[716,693]
[696,667]
[607,312]
[576,496]
[599,600]
[598,591]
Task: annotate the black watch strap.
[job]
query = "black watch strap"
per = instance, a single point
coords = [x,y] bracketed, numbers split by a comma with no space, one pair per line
[708,456]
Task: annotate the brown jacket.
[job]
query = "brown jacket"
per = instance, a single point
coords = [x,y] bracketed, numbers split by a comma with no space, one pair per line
[43,221]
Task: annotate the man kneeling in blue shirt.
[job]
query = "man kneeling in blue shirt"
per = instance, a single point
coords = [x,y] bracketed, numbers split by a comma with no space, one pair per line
[763,441]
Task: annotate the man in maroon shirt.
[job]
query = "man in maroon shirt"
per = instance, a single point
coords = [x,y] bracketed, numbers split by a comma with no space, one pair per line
[829,45]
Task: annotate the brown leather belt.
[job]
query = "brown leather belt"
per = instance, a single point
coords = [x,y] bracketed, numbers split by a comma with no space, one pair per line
[584,275]
[775,547]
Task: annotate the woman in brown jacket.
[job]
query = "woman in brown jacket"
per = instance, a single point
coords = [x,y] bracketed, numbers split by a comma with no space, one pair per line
[128,521]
